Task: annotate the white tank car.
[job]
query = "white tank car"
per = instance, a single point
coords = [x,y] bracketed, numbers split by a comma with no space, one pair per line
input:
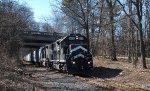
[42,56]
[34,56]
[27,57]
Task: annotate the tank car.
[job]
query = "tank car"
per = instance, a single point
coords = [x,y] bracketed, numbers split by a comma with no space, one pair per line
[27,57]
[43,58]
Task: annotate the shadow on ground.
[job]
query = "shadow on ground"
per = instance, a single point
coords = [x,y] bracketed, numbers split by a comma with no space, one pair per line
[102,72]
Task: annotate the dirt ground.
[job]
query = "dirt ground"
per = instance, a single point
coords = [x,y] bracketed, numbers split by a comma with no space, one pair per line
[115,75]
[123,75]
[34,78]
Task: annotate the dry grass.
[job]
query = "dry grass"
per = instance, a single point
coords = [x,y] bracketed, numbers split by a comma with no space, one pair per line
[131,76]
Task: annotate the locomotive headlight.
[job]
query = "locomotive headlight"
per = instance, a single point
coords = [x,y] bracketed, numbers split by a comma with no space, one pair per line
[73,62]
[89,62]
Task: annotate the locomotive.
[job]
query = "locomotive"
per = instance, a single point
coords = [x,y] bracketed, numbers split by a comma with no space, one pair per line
[70,54]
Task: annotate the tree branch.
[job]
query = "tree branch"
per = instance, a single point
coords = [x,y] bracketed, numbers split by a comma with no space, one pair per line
[127,13]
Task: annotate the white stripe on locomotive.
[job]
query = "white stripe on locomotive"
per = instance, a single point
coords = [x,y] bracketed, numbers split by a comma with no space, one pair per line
[78,55]
[58,61]
[79,47]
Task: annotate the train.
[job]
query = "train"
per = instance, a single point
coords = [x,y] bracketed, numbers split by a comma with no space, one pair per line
[70,54]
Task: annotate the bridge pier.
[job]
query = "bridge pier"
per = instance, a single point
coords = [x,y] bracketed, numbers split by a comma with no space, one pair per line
[37,56]
[32,58]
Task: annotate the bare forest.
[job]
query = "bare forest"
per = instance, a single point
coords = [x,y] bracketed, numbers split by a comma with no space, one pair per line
[115,29]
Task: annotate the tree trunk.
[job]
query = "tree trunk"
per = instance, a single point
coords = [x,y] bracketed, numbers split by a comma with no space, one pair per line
[130,48]
[87,34]
[113,50]
[142,46]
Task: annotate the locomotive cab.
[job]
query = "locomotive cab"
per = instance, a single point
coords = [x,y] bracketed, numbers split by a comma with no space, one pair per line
[78,57]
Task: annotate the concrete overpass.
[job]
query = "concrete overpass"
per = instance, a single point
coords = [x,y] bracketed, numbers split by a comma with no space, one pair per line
[35,39]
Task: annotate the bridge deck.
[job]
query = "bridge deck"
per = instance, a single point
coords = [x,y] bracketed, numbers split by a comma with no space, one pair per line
[34,39]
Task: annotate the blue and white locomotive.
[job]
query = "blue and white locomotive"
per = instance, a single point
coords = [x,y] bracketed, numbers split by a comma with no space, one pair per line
[70,54]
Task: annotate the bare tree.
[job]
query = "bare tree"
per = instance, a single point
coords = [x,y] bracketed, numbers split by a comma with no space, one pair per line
[111,6]
[14,19]
[138,5]
[48,28]
[79,11]
[147,27]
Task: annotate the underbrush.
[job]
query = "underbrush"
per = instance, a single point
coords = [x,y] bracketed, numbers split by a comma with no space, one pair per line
[9,68]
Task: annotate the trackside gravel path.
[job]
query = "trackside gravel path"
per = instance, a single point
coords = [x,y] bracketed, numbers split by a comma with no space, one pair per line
[44,79]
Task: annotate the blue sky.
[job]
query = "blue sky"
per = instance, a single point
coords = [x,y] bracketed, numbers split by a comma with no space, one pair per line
[42,8]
